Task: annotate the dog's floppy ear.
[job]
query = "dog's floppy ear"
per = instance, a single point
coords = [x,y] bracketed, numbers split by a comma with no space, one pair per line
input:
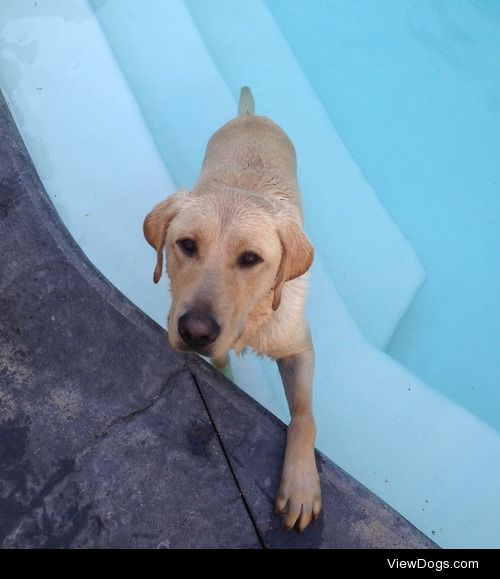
[297,255]
[156,225]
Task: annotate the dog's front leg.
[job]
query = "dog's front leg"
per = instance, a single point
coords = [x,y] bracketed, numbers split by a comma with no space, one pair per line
[223,364]
[299,495]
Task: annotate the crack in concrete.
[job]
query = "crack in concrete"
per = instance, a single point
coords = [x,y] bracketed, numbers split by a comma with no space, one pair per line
[136,411]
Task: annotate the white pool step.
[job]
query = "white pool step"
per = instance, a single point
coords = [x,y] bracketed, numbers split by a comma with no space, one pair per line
[431,459]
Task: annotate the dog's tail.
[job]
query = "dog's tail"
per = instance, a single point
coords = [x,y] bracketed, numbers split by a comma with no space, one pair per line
[247,105]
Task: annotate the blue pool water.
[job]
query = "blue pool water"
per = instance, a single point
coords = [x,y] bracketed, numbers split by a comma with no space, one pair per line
[394,110]
[414,91]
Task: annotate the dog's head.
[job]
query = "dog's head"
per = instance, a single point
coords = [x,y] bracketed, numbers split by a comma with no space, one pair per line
[226,254]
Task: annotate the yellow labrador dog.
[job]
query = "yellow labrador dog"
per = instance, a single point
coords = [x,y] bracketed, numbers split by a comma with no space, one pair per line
[236,258]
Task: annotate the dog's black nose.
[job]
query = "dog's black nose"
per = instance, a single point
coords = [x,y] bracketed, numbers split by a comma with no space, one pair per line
[198,330]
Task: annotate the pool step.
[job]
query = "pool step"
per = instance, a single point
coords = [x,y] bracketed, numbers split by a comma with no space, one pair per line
[182,95]
[87,136]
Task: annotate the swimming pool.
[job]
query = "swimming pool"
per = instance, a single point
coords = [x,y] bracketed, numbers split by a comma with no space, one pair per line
[394,110]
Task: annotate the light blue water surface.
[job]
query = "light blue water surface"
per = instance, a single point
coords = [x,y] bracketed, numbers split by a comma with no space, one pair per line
[414,90]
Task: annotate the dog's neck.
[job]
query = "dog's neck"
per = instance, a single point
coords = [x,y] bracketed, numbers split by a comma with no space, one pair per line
[276,333]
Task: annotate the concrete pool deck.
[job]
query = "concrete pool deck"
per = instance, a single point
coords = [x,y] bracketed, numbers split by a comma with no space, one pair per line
[108,438]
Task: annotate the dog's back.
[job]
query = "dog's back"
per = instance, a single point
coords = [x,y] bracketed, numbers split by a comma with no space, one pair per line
[251,153]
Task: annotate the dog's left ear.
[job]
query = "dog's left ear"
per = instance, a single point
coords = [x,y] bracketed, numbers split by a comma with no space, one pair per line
[297,255]
[156,225]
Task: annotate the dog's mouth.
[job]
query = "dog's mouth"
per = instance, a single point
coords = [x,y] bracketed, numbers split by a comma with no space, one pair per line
[206,351]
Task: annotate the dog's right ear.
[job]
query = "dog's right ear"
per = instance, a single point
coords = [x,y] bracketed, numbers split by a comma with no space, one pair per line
[155,227]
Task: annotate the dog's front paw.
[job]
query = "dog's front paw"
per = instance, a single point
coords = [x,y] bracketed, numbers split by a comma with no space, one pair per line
[299,496]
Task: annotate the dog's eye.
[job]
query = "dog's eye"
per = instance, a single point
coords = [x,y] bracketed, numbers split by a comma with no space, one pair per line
[188,246]
[249,259]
